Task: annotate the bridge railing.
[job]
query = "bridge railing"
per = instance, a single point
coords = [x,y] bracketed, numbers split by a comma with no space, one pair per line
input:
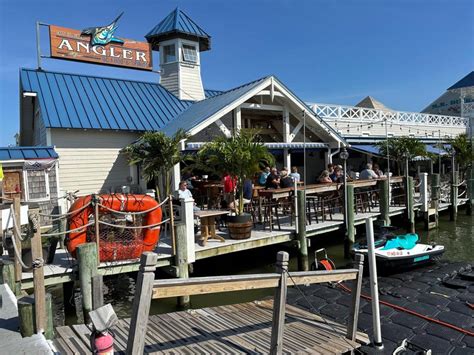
[369,114]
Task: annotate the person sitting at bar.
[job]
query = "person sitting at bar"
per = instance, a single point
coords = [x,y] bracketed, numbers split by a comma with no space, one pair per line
[285,179]
[324,178]
[262,179]
[295,174]
[378,171]
[273,180]
[330,168]
[368,173]
[229,183]
[247,194]
[184,193]
[337,175]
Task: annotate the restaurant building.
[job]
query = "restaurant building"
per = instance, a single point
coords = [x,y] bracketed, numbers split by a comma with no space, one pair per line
[90,119]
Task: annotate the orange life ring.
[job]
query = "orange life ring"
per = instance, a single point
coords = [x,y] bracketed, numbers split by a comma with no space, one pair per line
[110,250]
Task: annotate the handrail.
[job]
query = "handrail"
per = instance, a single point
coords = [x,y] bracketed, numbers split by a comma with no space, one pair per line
[369,114]
[215,284]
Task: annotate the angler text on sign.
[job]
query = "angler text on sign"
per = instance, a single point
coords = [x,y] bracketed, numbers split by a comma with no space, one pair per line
[69,44]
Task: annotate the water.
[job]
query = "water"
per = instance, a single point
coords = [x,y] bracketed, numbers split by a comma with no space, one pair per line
[457,237]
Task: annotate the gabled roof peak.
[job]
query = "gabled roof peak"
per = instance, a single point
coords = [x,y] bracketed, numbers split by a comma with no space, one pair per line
[466,81]
[178,24]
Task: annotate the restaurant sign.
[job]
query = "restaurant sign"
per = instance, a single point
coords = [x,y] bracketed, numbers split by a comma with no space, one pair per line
[99,45]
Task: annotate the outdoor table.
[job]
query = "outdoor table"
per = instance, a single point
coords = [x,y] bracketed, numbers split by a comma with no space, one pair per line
[208,224]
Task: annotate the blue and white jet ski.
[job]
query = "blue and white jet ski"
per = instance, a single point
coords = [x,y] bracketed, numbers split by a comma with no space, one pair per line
[400,251]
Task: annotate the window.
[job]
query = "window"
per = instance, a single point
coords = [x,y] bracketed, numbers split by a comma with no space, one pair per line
[37,185]
[189,53]
[169,53]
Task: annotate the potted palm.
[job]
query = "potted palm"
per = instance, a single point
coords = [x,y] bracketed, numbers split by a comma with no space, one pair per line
[241,155]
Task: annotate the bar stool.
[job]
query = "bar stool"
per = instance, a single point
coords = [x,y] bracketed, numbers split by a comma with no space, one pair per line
[270,213]
[311,204]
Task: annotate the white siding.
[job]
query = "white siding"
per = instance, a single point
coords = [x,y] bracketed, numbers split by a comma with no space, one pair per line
[90,161]
[169,78]
[191,84]
[92,170]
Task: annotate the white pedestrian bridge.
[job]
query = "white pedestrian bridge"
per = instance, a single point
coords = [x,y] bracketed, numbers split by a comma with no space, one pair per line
[360,123]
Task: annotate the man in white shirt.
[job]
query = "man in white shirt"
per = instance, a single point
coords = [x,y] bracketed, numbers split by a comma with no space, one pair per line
[183,192]
[368,173]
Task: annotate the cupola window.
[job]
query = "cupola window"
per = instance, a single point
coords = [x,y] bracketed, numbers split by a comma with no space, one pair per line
[169,53]
[189,53]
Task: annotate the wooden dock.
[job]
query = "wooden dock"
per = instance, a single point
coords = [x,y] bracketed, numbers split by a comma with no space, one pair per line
[63,268]
[231,329]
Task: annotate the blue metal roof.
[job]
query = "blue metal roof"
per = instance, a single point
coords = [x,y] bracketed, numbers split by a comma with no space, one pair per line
[467,81]
[177,22]
[204,109]
[436,150]
[210,93]
[90,102]
[22,153]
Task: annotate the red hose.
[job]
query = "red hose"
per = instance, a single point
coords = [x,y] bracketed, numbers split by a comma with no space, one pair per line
[403,309]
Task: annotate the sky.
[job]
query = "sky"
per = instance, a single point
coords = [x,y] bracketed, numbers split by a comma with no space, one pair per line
[405,53]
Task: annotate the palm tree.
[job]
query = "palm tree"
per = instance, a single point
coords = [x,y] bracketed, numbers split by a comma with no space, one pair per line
[157,153]
[402,148]
[242,155]
[461,145]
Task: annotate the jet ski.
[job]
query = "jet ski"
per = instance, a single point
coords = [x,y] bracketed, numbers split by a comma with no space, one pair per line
[400,251]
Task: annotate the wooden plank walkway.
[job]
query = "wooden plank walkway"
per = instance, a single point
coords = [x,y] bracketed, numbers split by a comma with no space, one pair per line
[233,329]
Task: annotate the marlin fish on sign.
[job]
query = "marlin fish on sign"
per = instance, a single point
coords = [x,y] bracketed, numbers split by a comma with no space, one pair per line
[103,35]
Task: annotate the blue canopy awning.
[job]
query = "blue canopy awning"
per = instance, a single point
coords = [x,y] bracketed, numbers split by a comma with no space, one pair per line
[366,148]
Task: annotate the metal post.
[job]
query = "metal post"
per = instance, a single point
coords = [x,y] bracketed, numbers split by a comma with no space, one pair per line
[410,205]
[38,48]
[369,230]
[454,196]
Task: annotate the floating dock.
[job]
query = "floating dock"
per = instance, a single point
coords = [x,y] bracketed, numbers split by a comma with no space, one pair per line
[425,291]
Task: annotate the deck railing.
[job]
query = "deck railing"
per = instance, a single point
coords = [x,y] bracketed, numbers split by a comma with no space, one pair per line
[148,288]
[337,112]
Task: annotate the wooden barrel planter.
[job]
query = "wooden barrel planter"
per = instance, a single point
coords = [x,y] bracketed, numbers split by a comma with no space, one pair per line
[240,230]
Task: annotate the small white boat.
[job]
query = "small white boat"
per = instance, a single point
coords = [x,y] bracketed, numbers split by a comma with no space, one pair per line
[401,251]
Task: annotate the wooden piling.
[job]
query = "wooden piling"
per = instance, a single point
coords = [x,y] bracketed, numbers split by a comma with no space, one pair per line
[351,231]
[470,191]
[87,260]
[301,236]
[453,210]
[141,304]
[17,241]
[355,304]
[279,304]
[435,196]
[38,272]
[68,300]
[181,260]
[7,273]
[410,204]
[27,316]
[384,190]
[97,291]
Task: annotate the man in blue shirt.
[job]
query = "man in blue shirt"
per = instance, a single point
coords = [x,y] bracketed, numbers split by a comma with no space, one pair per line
[262,179]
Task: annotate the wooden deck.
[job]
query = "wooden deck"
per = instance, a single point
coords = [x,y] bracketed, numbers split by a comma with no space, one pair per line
[63,268]
[232,329]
